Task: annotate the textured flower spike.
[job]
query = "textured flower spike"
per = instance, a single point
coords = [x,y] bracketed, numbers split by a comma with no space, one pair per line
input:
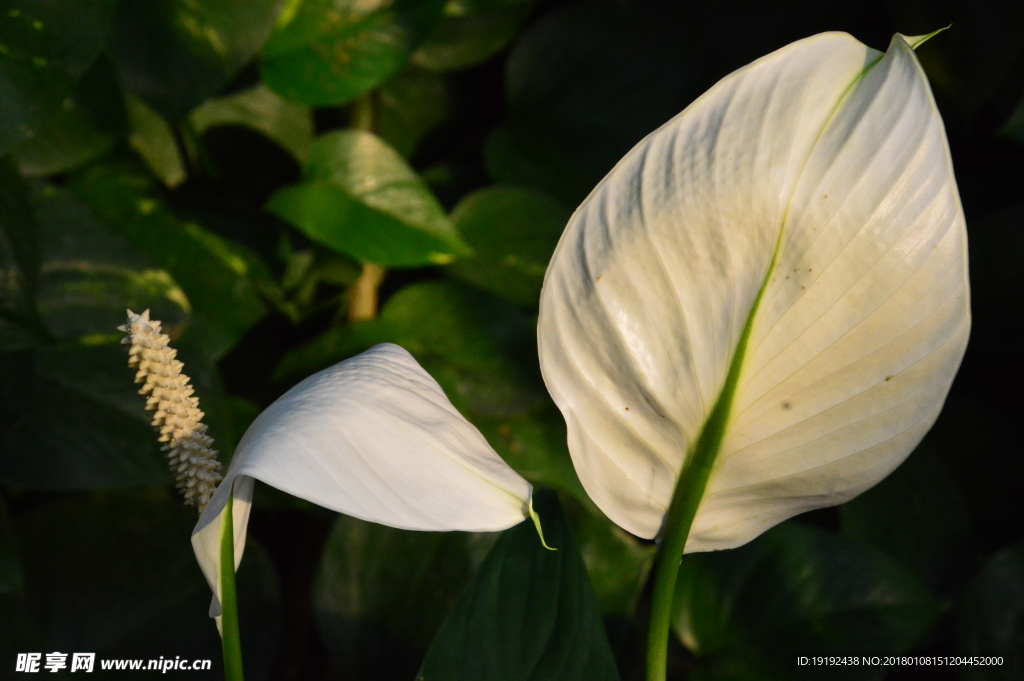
[176,412]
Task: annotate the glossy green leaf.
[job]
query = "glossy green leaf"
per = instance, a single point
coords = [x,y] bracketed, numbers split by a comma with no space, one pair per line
[583,84]
[88,123]
[473,344]
[91,274]
[380,594]
[173,54]
[361,198]
[217,276]
[534,445]
[512,232]
[45,47]
[796,591]
[152,137]
[919,517]
[528,614]
[19,248]
[327,52]
[408,107]
[59,438]
[990,620]
[114,576]
[618,563]
[465,37]
[260,108]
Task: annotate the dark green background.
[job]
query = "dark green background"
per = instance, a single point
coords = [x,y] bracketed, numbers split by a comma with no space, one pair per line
[189,157]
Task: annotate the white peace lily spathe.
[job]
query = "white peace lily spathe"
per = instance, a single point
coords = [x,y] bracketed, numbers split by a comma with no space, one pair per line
[373,437]
[767,296]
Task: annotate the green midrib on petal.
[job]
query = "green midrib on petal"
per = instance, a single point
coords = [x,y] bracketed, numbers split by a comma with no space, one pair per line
[700,460]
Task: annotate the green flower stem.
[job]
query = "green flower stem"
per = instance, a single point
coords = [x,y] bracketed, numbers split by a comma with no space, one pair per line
[693,480]
[231,642]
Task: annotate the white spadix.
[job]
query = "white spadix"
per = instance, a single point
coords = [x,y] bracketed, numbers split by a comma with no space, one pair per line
[373,437]
[790,253]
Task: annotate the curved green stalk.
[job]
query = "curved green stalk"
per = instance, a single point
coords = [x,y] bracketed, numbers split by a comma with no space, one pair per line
[693,480]
[231,643]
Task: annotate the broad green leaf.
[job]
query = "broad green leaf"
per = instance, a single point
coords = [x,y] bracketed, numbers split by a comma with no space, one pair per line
[173,54]
[19,248]
[529,614]
[373,437]
[796,591]
[91,274]
[112,575]
[56,437]
[330,51]
[259,108]
[216,275]
[534,445]
[45,47]
[512,232]
[766,301]
[88,123]
[464,38]
[152,137]
[991,616]
[618,564]
[361,198]
[473,344]
[408,107]
[380,594]
[919,517]
[583,84]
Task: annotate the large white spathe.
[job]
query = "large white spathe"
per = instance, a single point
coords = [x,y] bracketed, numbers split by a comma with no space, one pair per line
[808,198]
[373,437]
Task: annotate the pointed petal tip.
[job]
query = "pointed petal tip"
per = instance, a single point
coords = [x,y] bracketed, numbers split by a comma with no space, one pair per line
[915,41]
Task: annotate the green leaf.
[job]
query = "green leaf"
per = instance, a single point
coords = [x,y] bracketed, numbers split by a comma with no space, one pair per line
[19,248]
[584,84]
[117,575]
[464,38]
[513,232]
[618,564]
[529,614]
[796,590]
[408,107]
[45,47]
[91,275]
[173,54]
[152,137]
[473,344]
[87,124]
[217,276]
[361,198]
[260,108]
[376,610]
[991,617]
[61,439]
[534,445]
[918,516]
[330,51]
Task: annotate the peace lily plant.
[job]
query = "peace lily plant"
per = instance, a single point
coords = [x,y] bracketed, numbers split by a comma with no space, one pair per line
[758,312]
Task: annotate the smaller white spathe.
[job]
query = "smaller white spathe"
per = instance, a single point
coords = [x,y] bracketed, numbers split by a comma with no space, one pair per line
[373,437]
